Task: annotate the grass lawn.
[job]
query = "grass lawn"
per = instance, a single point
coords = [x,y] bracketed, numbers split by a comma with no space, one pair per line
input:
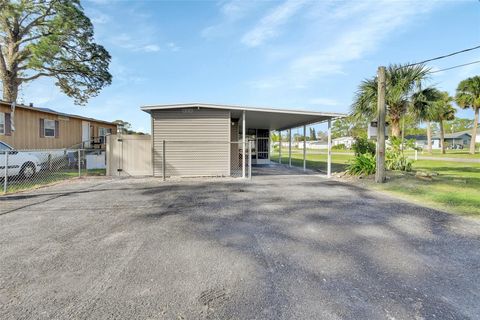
[456,188]
[316,161]
[42,178]
[449,154]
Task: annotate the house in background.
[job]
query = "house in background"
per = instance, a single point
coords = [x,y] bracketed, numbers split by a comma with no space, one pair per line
[315,144]
[29,127]
[347,141]
[469,132]
[456,140]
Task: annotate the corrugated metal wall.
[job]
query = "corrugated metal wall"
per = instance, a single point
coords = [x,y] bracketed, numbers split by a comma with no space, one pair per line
[197,142]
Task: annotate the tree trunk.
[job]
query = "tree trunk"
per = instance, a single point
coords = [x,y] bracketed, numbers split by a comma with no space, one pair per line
[429,137]
[474,132]
[395,127]
[442,136]
[10,89]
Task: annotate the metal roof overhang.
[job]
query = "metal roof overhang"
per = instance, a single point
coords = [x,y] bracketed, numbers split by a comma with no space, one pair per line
[260,118]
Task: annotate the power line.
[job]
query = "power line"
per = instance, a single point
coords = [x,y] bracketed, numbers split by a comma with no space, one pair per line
[457,66]
[441,57]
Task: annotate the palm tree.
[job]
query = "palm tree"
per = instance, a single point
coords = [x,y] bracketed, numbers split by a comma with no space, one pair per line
[423,109]
[444,111]
[468,96]
[401,82]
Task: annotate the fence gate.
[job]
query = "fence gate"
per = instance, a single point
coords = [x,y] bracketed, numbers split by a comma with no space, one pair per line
[129,155]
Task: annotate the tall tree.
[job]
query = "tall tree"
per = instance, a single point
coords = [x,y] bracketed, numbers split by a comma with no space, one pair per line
[351,126]
[401,82]
[444,111]
[424,109]
[468,96]
[50,38]
[458,124]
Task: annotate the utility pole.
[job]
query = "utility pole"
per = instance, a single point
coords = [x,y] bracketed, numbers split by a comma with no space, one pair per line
[380,172]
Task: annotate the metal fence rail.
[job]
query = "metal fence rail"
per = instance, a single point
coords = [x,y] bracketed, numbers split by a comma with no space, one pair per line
[27,169]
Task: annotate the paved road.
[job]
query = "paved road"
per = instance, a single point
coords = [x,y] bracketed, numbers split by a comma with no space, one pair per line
[280,247]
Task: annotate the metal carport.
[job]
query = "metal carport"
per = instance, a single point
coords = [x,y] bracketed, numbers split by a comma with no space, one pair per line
[252,118]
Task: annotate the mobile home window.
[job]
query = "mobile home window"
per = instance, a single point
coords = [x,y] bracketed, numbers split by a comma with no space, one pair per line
[49,128]
[102,132]
[2,123]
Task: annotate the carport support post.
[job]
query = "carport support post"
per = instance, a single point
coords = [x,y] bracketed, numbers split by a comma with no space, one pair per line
[164,163]
[329,152]
[290,147]
[304,148]
[280,146]
[5,177]
[244,148]
[250,159]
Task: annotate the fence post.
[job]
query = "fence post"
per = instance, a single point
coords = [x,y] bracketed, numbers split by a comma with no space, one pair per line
[163,160]
[250,159]
[5,178]
[84,152]
[79,164]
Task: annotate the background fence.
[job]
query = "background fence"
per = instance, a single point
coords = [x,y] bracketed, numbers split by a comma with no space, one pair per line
[27,169]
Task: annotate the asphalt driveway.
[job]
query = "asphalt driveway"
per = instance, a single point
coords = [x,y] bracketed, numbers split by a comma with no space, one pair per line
[278,247]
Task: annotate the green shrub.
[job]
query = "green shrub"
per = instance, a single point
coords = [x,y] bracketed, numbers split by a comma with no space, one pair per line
[340,146]
[395,160]
[363,146]
[362,164]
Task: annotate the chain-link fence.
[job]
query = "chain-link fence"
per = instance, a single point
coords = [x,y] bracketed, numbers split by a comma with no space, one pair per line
[29,169]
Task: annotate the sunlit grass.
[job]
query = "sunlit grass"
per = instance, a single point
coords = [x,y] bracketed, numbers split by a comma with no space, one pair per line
[42,178]
[453,186]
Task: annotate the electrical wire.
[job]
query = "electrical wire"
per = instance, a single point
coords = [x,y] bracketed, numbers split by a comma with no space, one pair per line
[441,57]
[457,66]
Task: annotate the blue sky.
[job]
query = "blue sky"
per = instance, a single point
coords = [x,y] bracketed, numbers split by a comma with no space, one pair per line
[286,54]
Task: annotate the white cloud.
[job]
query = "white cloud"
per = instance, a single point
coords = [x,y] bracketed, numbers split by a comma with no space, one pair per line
[324,102]
[100,2]
[369,24]
[98,17]
[150,48]
[172,46]
[232,12]
[134,44]
[268,26]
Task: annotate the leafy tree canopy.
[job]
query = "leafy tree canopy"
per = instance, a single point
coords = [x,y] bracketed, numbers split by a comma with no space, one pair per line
[402,81]
[51,38]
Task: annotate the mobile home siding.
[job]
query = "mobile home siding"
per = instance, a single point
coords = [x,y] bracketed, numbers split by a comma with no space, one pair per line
[197,142]
[27,130]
